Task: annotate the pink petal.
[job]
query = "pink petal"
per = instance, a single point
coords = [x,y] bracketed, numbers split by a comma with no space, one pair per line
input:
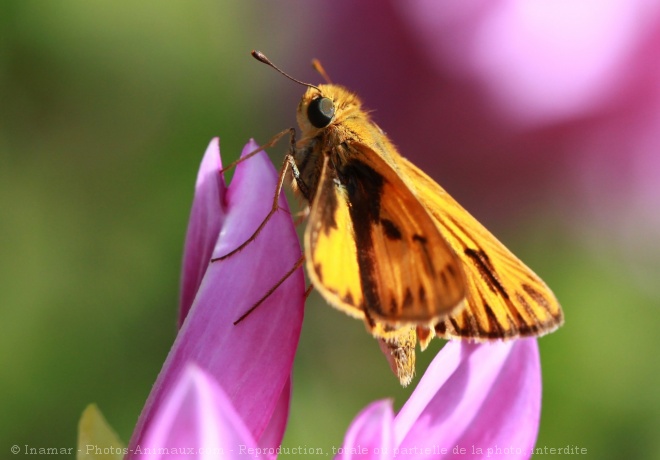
[196,414]
[274,433]
[206,218]
[487,396]
[251,361]
[370,435]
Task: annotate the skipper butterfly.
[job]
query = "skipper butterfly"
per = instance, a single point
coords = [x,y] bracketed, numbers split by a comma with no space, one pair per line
[386,244]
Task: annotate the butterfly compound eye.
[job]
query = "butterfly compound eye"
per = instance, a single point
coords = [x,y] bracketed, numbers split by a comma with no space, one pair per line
[320,112]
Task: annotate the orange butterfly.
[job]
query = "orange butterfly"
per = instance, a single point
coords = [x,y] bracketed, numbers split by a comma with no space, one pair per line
[386,244]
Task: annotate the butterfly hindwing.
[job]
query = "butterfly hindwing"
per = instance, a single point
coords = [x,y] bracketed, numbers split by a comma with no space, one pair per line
[505,299]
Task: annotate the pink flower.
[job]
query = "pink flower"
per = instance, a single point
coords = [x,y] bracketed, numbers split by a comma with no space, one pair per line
[474,402]
[197,419]
[250,361]
[224,390]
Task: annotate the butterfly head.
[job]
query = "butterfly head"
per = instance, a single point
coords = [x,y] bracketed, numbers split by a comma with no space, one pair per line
[323,106]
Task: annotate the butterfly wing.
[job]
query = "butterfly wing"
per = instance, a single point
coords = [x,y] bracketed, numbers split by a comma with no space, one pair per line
[505,298]
[330,249]
[374,251]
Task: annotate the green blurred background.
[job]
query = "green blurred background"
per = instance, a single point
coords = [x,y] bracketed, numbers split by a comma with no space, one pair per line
[105,111]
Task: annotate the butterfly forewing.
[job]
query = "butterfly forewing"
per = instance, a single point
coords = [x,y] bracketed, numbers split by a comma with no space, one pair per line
[408,274]
[330,248]
[505,298]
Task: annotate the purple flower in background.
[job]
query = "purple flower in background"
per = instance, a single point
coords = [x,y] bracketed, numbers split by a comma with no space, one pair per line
[251,361]
[515,104]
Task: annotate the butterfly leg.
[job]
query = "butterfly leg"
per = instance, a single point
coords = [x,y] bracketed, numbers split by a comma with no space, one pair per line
[274,140]
[288,161]
[272,289]
[301,216]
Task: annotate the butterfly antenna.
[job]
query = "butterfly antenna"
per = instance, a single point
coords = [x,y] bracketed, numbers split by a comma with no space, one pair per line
[259,56]
[319,68]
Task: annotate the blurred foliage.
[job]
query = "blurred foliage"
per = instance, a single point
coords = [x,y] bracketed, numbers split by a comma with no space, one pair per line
[106,109]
